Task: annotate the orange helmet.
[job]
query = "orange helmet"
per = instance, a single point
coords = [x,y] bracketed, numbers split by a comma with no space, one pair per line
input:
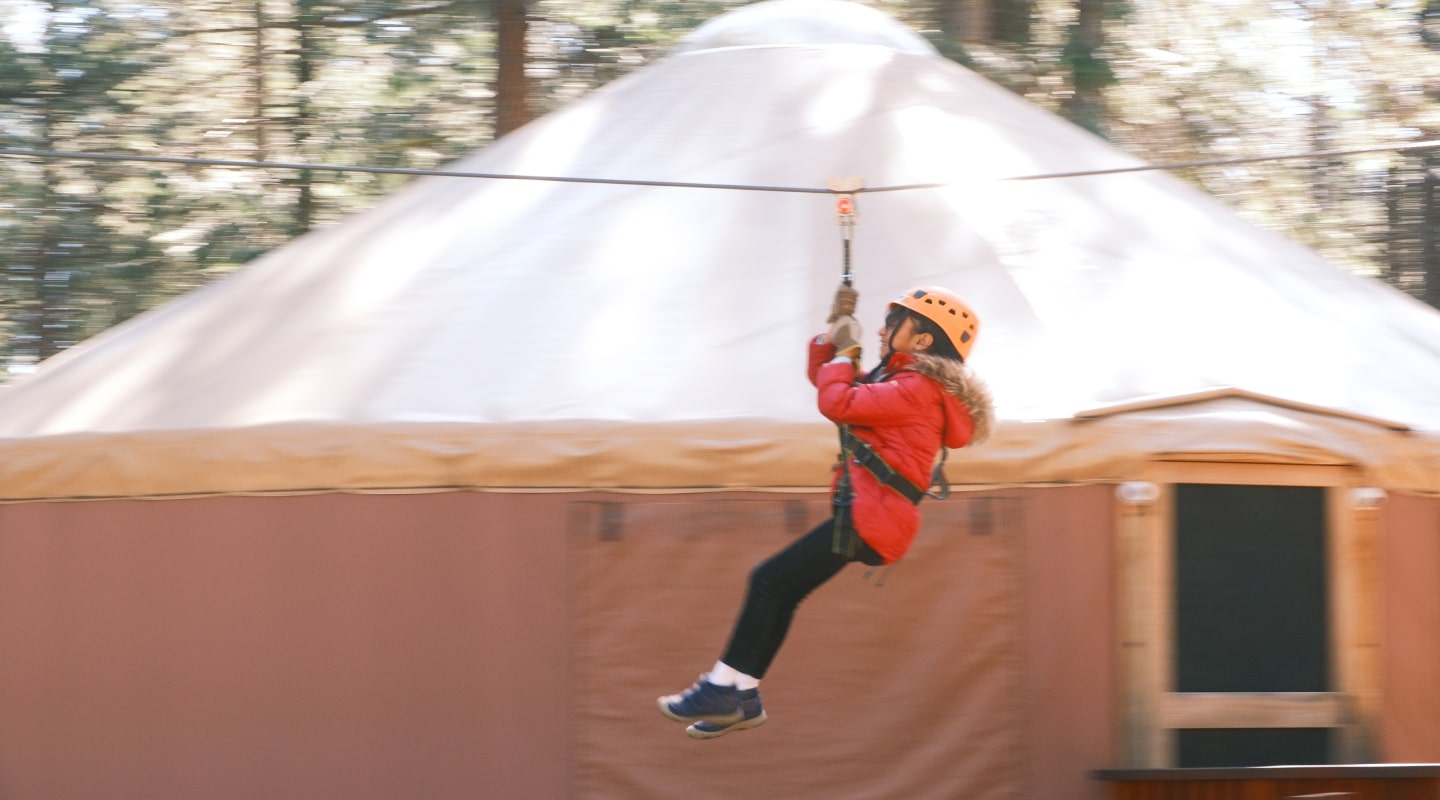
[944,308]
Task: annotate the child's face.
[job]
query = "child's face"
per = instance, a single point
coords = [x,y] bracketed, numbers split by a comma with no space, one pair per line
[893,317]
[906,340]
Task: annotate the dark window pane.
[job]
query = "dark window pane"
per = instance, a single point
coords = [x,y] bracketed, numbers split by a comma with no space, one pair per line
[1253,747]
[1250,596]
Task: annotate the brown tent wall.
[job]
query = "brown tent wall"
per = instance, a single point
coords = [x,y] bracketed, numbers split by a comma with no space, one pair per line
[511,645]
[317,646]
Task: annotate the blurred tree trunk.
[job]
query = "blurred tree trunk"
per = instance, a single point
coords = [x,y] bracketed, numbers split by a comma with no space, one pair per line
[258,65]
[983,21]
[1089,73]
[963,20]
[45,251]
[1430,163]
[308,19]
[1412,223]
[1412,241]
[1427,225]
[512,95]
[1010,20]
[1323,131]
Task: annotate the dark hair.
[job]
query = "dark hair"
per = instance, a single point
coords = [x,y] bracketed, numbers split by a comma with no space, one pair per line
[941,346]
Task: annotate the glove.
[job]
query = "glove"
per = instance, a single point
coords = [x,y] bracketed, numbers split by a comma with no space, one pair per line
[844,303]
[845,335]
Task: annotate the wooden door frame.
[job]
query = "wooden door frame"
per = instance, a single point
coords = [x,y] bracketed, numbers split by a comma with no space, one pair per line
[1151,709]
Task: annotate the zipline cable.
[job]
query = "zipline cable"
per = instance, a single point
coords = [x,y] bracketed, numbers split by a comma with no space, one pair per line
[215,162]
[1226,162]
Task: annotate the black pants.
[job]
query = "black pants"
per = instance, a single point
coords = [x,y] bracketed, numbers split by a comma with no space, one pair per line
[776,588]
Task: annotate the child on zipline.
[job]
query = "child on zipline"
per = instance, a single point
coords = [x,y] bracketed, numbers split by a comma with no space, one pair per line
[894,421]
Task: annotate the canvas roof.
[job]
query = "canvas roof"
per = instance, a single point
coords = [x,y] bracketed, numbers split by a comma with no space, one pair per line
[534,334]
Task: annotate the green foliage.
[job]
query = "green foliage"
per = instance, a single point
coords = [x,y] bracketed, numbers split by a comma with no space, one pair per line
[61,258]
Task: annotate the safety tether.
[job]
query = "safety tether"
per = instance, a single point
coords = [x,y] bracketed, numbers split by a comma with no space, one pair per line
[845,540]
[845,189]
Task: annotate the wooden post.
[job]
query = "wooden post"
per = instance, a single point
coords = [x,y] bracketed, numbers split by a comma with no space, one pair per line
[1144,603]
[1355,578]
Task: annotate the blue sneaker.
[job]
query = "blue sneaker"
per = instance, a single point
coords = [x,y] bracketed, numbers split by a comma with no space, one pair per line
[704,701]
[752,715]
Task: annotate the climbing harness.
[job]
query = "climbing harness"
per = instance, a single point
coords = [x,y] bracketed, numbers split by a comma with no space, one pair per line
[865,456]
[844,540]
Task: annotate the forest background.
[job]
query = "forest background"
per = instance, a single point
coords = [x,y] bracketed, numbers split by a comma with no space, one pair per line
[86,244]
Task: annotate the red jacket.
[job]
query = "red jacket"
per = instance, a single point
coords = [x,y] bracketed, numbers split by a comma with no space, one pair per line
[922,403]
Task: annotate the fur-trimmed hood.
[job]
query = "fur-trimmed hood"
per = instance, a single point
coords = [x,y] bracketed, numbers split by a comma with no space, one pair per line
[967,387]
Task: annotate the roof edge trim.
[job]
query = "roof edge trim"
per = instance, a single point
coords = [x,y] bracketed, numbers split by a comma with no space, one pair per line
[1231,392]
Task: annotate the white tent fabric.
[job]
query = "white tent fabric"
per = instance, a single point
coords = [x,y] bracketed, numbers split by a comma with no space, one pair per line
[531,334]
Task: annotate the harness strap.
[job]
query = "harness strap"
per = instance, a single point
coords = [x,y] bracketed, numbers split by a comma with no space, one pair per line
[845,540]
[866,457]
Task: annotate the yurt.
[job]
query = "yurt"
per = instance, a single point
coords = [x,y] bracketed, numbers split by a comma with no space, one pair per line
[436,501]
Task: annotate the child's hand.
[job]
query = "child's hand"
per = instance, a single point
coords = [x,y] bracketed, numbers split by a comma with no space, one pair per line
[844,303]
[845,335]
